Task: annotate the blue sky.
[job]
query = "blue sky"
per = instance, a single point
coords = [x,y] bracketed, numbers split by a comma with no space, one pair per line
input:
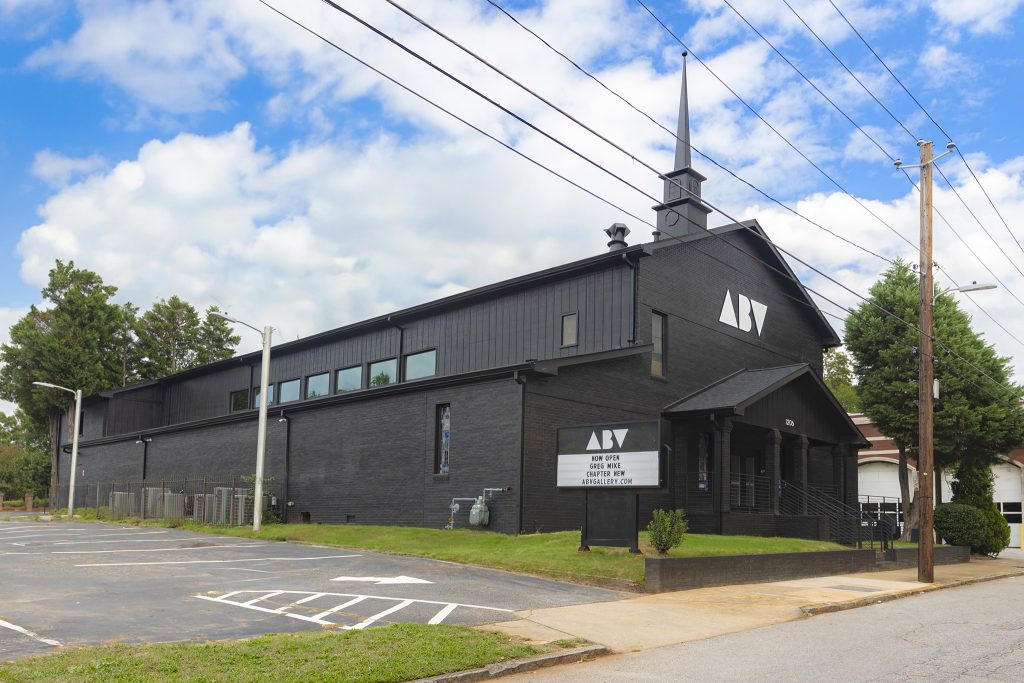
[217,152]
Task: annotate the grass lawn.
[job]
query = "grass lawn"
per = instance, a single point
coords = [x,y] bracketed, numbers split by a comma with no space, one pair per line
[399,652]
[553,555]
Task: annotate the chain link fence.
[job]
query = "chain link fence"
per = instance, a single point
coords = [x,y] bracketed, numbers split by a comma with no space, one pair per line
[201,501]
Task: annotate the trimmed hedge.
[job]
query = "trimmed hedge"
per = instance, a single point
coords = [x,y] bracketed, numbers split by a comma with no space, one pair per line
[960,524]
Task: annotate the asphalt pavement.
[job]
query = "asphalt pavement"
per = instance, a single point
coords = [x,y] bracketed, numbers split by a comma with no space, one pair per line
[65,584]
[967,634]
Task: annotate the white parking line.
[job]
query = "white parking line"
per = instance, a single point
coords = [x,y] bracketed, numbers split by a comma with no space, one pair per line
[12,538]
[336,608]
[30,634]
[252,559]
[155,550]
[401,603]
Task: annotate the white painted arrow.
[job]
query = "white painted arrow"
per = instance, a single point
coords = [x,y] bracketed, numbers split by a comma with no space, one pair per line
[382,579]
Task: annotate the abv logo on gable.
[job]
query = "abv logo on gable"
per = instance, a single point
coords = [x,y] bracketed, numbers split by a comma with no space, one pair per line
[745,315]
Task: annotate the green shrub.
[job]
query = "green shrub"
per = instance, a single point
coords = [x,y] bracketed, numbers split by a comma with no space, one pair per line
[666,529]
[997,533]
[960,524]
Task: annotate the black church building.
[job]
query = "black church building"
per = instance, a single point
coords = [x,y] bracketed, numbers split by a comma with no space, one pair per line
[386,420]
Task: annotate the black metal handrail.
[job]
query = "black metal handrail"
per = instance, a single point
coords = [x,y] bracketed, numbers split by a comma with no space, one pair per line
[847,525]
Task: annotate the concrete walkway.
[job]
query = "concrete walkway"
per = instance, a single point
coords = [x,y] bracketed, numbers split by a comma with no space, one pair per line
[662,619]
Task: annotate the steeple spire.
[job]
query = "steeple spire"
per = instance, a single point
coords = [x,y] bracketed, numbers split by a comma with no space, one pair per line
[682,212]
[683,128]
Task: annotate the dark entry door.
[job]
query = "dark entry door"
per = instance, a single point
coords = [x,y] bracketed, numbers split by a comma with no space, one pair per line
[743,479]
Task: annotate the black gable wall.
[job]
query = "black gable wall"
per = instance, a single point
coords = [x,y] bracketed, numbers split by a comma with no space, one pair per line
[689,281]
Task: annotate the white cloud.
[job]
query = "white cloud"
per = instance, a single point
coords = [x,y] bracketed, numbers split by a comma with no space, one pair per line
[168,55]
[56,169]
[978,17]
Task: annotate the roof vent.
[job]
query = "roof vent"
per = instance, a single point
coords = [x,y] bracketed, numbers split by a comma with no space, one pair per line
[617,232]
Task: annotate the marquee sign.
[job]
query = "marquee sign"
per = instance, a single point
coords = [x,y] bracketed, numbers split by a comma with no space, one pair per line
[609,456]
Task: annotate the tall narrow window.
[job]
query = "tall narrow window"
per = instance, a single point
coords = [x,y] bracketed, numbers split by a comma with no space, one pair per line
[570,329]
[443,438]
[659,323]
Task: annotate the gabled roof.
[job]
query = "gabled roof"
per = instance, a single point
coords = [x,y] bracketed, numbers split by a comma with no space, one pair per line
[735,392]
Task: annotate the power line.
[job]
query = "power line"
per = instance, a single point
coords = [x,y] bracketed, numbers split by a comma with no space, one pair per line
[809,81]
[582,156]
[676,136]
[849,71]
[930,118]
[875,142]
[771,127]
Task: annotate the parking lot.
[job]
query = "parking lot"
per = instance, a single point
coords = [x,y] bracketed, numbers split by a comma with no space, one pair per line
[64,584]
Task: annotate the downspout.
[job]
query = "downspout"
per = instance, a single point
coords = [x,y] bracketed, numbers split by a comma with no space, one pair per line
[401,341]
[521,381]
[635,298]
[287,461]
[250,385]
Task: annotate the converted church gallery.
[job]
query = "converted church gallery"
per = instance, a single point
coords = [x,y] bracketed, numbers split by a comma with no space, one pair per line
[706,332]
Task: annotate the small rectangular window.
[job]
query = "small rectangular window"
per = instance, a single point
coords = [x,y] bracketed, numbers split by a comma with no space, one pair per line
[256,396]
[318,385]
[443,438]
[570,329]
[422,364]
[659,324]
[383,372]
[1011,507]
[289,391]
[239,400]
[349,379]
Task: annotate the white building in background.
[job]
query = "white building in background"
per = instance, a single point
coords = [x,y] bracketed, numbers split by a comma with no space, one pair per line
[878,480]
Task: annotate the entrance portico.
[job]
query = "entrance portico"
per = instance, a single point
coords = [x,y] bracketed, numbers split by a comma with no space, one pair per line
[766,452]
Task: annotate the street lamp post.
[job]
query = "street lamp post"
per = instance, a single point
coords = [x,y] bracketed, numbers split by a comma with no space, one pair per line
[77,393]
[261,436]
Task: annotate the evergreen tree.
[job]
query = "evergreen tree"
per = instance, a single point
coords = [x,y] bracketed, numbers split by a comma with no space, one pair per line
[978,414]
[69,341]
[172,338]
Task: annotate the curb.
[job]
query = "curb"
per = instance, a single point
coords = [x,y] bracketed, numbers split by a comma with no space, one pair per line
[578,654]
[828,607]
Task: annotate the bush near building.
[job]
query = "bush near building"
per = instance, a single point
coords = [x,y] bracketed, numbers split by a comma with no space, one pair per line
[973,486]
[666,529]
[960,524]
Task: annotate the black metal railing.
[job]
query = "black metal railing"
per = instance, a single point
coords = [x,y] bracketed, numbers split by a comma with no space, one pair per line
[750,492]
[847,524]
[886,507]
[203,501]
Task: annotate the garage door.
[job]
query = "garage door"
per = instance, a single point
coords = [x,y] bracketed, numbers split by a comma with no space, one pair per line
[1008,496]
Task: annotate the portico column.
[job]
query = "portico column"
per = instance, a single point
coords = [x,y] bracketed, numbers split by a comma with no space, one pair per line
[773,450]
[800,450]
[725,437]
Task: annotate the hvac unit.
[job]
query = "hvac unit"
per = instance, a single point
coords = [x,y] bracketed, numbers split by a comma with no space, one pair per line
[174,506]
[122,504]
[201,506]
[153,502]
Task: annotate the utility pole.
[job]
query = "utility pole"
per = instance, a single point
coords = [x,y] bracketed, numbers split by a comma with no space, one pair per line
[926,373]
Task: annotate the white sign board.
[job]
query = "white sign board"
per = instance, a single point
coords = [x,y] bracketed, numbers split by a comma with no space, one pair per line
[608,470]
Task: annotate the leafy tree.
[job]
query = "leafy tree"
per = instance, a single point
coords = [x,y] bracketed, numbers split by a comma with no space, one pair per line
[171,338]
[67,341]
[838,378]
[217,339]
[978,414]
[24,463]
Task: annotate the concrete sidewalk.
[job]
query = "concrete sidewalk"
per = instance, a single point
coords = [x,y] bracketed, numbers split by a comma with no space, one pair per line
[662,619]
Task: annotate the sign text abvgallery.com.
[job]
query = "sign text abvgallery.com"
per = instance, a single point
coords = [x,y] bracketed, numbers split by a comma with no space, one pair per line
[608,469]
